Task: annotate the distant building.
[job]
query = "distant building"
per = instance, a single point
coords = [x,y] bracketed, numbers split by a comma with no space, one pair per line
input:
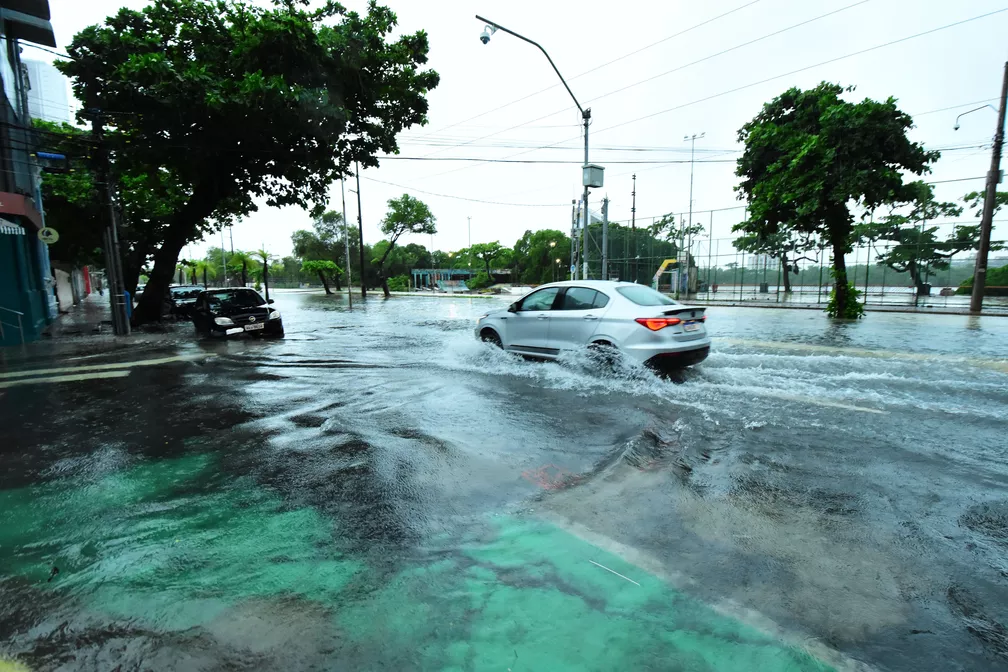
[27,300]
[48,92]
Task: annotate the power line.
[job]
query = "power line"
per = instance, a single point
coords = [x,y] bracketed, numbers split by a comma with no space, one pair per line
[808,67]
[471,200]
[45,49]
[544,161]
[599,67]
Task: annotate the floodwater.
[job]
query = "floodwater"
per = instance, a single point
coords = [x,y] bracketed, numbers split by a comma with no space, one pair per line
[381,491]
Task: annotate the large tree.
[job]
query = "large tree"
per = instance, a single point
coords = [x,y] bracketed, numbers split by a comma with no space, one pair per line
[325,242]
[811,155]
[915,248]
[406,214]
[237,102]
[490,253]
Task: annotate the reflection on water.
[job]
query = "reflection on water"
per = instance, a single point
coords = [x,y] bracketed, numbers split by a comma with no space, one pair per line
[382,490]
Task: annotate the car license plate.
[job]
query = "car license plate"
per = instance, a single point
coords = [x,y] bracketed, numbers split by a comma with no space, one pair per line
[689,326]
[254,326]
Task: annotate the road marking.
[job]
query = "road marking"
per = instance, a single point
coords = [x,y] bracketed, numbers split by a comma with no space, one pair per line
[65,379]
[819,402]
[615,572]
[99,367]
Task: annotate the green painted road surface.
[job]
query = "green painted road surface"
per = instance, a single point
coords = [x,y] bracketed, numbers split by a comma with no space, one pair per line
[177,549]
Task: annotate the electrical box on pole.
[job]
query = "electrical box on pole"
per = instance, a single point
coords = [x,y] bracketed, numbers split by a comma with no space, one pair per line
[591,175]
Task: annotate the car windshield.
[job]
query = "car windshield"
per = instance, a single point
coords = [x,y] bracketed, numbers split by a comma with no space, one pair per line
[235,298]
[645,296]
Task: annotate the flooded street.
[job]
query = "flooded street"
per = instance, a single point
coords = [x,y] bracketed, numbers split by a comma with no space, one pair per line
[381,491]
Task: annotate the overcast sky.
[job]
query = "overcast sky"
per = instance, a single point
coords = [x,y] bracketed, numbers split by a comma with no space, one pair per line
[503,101]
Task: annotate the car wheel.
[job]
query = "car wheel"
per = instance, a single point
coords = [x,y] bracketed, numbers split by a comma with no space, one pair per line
[490,336]
[605,354]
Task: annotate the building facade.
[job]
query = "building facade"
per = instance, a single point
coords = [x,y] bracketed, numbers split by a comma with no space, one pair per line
[48,92]
[27,299]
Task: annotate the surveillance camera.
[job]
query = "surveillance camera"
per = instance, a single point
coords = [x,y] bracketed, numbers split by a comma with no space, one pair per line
[485,36]
[956,127]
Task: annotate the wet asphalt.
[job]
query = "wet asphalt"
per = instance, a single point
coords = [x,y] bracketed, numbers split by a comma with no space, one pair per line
[842,487]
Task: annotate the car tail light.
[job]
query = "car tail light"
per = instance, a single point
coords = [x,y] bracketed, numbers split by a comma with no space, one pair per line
[656,323]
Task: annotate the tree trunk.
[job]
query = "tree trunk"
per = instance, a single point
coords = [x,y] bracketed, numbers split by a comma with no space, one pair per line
[325,283]
[266,278]
[840,278]
[384,286]
[336,281]
[915,275]
[244,273]
[152,301]
[204,277]
[787,273]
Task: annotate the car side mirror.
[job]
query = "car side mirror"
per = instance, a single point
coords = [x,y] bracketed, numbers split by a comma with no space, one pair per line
[513,308]
[269,300]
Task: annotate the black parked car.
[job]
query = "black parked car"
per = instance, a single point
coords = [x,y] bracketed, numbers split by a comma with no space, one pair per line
[182,298]
[236,311]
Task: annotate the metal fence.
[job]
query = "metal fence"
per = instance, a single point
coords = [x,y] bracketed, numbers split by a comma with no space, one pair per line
[721,273]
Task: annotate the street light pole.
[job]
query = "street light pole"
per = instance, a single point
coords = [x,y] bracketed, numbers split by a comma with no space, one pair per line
[689,223]
[990,195]
[360,232]
[585,116]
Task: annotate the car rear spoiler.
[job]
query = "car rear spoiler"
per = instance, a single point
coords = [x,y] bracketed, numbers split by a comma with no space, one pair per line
[696,311]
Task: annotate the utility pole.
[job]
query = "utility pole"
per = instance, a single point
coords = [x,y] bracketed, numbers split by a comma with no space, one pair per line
[633,226]
[590,175]
[223,260]
[605,238]
[346,245]
[990,193]
[692,139]
[113,258]
[573,247]
[360,231]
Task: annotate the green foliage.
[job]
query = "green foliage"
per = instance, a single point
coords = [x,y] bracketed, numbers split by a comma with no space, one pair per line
[326,267]
[917,250]
[535,253]
[975,199]
[406,214]
[234,101]
[995,285]
[851,310]
[399,283]
[809,155]
[490,253]
[481,280]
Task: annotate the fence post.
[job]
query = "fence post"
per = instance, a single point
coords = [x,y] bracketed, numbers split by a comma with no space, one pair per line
[819,288]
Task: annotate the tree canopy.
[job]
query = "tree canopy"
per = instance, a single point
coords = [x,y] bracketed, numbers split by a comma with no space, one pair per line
[810,155]
[233,102]
[406,214]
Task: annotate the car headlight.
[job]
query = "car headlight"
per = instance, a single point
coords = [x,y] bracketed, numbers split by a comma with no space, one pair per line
[224,321]
[275,315]
[482,317]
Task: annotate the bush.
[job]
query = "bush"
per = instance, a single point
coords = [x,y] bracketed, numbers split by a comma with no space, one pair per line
[853,311]
[480,281]
[258,285]
[996,285]
[399,283]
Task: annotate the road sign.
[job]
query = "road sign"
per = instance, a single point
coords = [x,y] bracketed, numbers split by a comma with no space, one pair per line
[48,235]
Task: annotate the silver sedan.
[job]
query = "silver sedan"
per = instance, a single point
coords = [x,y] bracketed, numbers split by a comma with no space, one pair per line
[633,320]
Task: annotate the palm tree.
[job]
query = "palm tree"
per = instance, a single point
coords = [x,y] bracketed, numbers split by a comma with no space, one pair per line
[206,268]
[241,260]
[266,258]
[188,270]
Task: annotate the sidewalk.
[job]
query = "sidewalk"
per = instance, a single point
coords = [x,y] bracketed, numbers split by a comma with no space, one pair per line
[93,315]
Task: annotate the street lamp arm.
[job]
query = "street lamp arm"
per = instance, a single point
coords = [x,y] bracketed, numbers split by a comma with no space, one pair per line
[975,109]
[539,46]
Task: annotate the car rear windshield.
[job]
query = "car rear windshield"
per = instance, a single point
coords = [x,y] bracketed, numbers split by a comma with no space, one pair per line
[645,296]
[240,298]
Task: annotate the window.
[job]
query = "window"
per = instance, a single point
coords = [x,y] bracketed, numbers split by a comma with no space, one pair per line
[541,300]
[645,296]
[578,298]
[601,300]
[240,298]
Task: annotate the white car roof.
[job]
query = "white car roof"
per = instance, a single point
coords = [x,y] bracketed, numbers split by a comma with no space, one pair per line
[591,284]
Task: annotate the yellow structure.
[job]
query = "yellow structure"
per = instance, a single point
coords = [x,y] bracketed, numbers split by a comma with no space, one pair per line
[661,269]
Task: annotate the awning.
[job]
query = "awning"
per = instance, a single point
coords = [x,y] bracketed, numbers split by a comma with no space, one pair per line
[37,8]
[17,204]
[25,27]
